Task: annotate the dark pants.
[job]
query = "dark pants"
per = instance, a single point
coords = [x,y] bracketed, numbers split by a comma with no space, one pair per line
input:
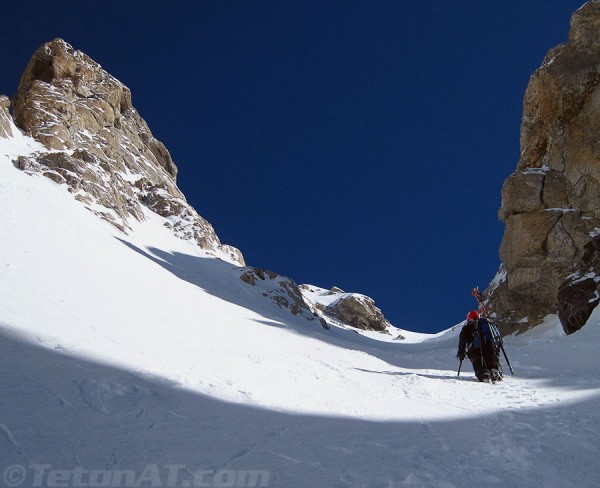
[483,367]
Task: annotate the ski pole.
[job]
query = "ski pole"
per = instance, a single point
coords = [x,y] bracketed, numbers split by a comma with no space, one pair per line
[480,335]
[459,366]
[498,338]
[506,357]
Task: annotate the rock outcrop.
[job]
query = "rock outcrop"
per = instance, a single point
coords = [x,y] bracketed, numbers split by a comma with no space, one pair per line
[100,147]
[359,312]
[551,204]
[5,118]
[353,309]
[283,291]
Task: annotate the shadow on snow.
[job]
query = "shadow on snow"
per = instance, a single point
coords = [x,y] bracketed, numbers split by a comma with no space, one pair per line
[69,412]
[221,279]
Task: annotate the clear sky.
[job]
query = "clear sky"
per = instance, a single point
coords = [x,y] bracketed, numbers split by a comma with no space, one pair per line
[361,144]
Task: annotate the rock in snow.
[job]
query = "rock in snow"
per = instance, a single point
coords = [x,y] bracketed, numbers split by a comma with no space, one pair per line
[353,309]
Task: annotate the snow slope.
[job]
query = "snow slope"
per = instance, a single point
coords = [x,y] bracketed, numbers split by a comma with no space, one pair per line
[124,351]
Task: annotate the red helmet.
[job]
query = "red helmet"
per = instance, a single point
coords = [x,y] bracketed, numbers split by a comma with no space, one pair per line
[473,315]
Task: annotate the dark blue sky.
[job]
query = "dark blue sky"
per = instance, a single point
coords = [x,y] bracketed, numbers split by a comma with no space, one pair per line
[361,144]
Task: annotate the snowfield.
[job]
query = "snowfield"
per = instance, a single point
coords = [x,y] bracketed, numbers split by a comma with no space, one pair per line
[140,353]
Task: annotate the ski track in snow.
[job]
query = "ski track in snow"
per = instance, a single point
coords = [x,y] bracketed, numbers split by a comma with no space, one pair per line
[121,351]
[8,436]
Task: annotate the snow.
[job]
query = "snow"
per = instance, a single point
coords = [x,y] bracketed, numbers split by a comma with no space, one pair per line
[562,210]
[18,145]
[121,352]
[498,279]
[541,170]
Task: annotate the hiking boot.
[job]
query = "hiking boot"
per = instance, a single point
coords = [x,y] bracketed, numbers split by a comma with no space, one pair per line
[485,378]
[497,375]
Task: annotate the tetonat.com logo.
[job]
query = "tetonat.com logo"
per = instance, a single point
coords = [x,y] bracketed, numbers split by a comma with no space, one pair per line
[152,475]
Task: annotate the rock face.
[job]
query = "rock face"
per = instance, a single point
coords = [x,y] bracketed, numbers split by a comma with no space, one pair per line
[359,312]
[99,145]
[551,204]
[5,128]
[280,289]
[353,309]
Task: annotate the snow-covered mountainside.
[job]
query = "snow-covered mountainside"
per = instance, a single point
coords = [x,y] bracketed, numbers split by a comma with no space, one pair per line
[90,139]
[141,359]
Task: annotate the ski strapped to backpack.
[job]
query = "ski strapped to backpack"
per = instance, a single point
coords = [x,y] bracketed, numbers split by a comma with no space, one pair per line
[494,333]
[485,335]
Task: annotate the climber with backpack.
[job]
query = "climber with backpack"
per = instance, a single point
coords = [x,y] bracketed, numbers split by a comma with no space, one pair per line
[479,342]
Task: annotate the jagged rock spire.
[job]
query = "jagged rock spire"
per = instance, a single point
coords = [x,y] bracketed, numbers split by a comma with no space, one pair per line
[100,146]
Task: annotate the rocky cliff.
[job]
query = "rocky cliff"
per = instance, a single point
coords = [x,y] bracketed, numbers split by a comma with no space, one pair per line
[5,118]
[551,203]
[99,146]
